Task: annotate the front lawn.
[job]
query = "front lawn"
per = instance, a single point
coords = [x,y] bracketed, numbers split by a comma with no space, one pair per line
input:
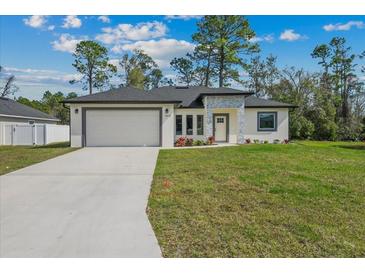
[16,157]
[305,199]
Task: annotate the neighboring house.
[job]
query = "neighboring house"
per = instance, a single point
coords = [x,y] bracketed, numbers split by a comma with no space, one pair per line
[132,117]
[16,113]
[23,125]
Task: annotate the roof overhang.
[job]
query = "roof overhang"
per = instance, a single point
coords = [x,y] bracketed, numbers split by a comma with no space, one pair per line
[29,117]
[226,94]
[120,102]
[271,106]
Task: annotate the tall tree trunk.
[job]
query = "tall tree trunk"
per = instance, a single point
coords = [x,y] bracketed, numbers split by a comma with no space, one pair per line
[90,85]
[207,72]
[221,66]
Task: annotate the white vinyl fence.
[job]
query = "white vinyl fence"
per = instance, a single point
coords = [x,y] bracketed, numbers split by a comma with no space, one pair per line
[36,134]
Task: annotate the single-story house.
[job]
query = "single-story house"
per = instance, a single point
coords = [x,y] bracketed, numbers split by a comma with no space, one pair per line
[23,125]
[13,112]
[132,117]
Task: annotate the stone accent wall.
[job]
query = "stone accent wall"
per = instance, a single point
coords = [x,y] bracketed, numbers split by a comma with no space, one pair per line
[216,102]
[241,124]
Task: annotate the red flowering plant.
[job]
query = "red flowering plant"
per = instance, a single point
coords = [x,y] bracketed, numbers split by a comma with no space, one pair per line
[248,141]
[211,140]
[286,141]
[180,142]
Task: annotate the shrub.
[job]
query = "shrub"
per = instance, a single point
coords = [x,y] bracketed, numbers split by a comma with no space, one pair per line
[184,141]
[210,140]
[248,141]
[286,141]
[276,141]
[189,142]
[180,142]
[256,141]
[198,143]
[266,142]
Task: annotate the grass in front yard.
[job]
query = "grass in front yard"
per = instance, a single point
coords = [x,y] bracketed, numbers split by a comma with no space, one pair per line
[300,200]
[16,157]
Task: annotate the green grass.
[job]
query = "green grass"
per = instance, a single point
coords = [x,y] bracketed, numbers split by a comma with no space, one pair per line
[305,199]
[16,157]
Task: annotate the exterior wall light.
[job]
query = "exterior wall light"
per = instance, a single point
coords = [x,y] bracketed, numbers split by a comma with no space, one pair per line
[76,110]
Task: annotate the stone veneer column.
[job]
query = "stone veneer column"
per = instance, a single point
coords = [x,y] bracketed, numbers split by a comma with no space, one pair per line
[221,102]
[241,124]
[209,118]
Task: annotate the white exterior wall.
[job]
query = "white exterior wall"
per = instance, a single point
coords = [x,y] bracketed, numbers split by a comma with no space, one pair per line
[20,120]
[251,125]
[168,120]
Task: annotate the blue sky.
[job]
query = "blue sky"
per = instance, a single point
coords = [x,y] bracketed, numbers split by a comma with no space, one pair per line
[38,49]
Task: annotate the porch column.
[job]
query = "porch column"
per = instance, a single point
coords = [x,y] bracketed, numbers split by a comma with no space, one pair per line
[208,118]
[241,124]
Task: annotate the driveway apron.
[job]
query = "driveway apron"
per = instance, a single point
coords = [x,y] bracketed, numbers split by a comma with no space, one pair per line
[88,203]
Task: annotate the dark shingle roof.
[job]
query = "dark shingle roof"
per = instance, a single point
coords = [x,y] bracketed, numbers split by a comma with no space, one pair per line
[186,96]
[10,107]
[254,102]
[191,96]
[125,94]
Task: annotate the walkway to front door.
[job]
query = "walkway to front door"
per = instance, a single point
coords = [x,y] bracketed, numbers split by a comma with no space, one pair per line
[87,203]
[220,127]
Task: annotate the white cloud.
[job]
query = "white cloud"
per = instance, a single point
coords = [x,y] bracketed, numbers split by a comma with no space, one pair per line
[141,31]
[51,27]
[71,21]
[114,62]
[104,19]
[290,35]
[182,17]
[32,82]
[28,70]
[344,27]
[35,21]
[162,51]
[265,38]
[30,76]
[66,43]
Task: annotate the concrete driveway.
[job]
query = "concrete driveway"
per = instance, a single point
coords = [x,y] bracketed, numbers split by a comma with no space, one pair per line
[88,203]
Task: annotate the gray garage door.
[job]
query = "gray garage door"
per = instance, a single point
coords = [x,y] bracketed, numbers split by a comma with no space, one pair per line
[122,127]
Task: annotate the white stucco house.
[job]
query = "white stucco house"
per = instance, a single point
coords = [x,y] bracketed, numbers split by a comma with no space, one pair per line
[132,117]
[23,125]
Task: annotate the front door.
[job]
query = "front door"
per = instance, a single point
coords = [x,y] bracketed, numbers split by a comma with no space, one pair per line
[220,133]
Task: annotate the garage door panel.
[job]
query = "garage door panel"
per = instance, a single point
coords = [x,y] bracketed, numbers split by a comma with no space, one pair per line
[122,127]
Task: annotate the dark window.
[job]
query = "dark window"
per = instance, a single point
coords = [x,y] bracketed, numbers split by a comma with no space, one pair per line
[189,124]
[178,125]
[266,121]
[220,120]
[200,125]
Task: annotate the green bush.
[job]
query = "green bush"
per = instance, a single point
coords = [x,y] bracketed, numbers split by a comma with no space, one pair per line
[198,143]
